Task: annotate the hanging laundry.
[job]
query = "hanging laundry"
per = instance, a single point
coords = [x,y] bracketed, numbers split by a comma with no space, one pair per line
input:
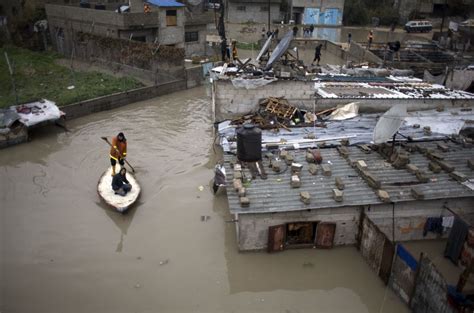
[448,221]
[434,225]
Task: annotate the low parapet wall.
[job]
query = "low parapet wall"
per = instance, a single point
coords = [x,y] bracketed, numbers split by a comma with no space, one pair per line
[231,102]
[116,100]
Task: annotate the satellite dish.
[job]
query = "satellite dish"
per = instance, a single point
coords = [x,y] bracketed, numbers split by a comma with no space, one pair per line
[264,48]
[280,49]
[389,123]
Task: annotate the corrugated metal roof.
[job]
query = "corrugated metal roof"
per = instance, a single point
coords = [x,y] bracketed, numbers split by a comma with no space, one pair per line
[276,195]
[166,3]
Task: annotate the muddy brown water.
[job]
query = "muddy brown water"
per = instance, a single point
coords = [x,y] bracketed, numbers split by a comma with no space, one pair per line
[62,250]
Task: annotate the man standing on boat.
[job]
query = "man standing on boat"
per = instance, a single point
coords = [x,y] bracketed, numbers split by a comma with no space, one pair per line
[118,151]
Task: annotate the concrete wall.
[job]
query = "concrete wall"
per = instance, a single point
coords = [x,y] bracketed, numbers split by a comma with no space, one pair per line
[359,54]
[171,35]
[323,4]
[410,217]
[253,228]
[196,47]
[194,76]
[135,58]
[120,99]
[231,102]
[252,13]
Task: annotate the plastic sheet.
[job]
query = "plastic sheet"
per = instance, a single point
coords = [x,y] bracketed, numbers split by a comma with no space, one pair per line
[240,82]
[37,112]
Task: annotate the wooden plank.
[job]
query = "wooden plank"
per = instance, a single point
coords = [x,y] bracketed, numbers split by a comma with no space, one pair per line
[325,235]
[276,238]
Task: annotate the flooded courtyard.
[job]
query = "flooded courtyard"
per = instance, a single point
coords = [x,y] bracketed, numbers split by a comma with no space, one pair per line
[65,251]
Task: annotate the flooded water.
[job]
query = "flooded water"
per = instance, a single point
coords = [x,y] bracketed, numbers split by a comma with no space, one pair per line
[64,251]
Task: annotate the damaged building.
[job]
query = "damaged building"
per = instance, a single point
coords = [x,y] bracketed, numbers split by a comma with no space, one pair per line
[163,22]
[304,204]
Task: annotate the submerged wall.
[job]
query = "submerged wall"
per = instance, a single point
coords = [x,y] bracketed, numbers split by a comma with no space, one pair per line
[410,217]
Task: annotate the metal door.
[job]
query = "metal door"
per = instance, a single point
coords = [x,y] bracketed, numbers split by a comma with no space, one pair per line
[276,238]
[325,235]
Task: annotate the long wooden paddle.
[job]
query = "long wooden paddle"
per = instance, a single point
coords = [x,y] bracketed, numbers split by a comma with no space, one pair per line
[107,141]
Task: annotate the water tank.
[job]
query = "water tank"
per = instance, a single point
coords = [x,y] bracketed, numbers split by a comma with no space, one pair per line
[249,143]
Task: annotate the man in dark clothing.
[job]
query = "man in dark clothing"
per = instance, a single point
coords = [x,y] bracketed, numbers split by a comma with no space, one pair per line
[295,31]
[224,49]
[311,30]
[120,184]
[394,49]
[317,54]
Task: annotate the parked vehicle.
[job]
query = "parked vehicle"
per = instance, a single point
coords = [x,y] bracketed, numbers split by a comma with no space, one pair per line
[418,26]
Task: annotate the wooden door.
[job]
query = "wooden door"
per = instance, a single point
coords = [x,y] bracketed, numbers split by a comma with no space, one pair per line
[325,235]
[276,238]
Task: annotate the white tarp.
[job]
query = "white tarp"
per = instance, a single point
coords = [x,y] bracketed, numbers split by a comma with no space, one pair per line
[37,112]
[240,82]
[348,111]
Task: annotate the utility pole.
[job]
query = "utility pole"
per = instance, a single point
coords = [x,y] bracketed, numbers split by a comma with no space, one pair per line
[269,18]
[444,15]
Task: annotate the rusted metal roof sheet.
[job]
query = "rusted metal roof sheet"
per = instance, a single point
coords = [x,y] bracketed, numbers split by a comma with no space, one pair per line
[276,195]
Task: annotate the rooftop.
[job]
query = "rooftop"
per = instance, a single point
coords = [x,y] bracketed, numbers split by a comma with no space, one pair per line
[276,195]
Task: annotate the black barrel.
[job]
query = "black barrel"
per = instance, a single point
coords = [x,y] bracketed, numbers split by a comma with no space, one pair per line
[249,143]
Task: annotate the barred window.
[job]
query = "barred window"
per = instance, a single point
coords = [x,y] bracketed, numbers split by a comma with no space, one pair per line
[241,8]
[191,36]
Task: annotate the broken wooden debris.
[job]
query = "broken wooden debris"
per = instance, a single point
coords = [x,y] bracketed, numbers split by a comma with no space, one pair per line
[278,107]
[276,166]
[365,148]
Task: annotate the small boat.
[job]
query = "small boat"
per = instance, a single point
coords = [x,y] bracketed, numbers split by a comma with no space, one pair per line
[119,203]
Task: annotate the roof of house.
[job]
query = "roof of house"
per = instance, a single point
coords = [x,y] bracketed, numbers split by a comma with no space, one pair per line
[166,3]
[276,195]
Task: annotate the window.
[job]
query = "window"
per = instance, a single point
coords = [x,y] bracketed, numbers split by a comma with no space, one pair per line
[191,36]
[241,8]
[264,8]
[171,18]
